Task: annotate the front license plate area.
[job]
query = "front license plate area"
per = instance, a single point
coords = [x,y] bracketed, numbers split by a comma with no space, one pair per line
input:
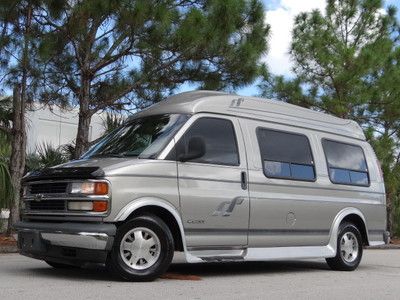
[30,241]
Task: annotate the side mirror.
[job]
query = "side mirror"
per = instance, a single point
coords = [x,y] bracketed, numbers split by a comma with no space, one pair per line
[196,149]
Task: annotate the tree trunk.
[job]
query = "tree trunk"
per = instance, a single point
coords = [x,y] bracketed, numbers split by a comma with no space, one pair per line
[389,213]
[17,161]
[18,142]
[85,115]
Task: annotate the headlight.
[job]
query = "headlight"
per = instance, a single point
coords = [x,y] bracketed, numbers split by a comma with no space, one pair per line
[89,188]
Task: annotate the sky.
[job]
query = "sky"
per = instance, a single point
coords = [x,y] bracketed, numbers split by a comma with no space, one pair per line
[280,15]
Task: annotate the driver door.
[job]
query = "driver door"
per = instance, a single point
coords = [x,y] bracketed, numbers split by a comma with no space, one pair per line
[213,190]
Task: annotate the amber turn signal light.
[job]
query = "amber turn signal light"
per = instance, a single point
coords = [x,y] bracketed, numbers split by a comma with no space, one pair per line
[100,206]
[100,188]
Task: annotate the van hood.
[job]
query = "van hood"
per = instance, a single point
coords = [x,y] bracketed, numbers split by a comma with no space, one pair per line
[86,168]
[105,163]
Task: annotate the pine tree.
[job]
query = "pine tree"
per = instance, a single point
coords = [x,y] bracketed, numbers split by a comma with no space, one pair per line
[110,53]
[346,63]
[382,121]
[18,33]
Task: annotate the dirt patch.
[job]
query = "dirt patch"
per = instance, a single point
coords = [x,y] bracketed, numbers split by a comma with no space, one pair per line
[395,241]
[7,240]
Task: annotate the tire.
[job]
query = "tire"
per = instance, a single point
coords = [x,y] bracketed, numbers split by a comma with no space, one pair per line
[143,249]
[60,265]
[349,249]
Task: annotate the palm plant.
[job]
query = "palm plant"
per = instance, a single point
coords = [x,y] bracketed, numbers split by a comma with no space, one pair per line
[46,156]
[68,150]
[112,121]
[6,190]
[50,156]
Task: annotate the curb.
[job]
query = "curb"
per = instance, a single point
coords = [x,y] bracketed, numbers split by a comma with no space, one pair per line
[8,249]
[384,247]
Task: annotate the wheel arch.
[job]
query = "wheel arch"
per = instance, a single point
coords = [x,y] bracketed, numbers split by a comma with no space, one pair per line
[360,224]
[164,215]
[161,208]
[352,215]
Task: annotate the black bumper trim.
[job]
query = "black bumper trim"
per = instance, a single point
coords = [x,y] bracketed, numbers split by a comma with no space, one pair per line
[70,243]
[68,227]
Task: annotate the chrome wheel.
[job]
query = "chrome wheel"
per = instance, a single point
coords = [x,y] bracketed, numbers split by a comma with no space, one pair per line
[349,247]
[140,248]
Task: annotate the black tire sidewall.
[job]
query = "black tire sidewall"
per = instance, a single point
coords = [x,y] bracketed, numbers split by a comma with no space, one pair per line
[345,228]
[162,231]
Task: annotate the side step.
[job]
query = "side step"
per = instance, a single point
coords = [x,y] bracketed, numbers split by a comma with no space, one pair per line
[217,255]
[258,254]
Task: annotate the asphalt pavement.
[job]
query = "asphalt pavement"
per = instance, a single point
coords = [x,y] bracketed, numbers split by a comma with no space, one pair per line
[378,277]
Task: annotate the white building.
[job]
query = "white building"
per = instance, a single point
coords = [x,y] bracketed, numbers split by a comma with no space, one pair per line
[57,127]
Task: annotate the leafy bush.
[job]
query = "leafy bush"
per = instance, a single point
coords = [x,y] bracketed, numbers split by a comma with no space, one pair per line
[46,156]
[111,122]
[6,190]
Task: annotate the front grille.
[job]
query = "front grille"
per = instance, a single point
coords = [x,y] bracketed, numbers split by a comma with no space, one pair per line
[56,205]
[49,188]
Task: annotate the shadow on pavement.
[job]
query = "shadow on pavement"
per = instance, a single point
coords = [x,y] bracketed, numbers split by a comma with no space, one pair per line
[243,268]
[184,271]
[93,272]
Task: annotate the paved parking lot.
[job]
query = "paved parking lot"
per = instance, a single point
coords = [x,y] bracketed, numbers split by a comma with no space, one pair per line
[377,277]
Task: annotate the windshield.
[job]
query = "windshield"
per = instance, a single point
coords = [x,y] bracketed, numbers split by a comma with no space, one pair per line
[143,137]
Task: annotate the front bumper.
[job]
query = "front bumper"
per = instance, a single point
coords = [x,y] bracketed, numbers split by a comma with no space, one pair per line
[73,243]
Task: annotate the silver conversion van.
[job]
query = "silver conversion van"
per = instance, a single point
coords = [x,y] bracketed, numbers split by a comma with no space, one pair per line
[220,177]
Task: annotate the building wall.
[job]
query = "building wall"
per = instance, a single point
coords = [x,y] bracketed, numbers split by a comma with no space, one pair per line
[57,127]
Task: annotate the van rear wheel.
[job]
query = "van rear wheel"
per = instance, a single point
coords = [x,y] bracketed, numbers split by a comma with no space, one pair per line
[349,249]
[143,249]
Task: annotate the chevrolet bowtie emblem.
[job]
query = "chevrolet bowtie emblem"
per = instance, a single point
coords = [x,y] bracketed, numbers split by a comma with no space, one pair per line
[38,197]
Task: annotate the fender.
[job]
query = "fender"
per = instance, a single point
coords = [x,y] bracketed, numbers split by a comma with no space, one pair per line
[125,212]
[336,222]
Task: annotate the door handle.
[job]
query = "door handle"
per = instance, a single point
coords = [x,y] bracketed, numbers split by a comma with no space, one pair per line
[243,180]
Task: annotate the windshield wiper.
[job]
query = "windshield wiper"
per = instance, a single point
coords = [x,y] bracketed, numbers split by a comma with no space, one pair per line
[108,155]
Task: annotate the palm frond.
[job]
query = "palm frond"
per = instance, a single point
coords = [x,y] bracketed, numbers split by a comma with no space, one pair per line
[6,111]
[6,189]
[46,156]
[112,121]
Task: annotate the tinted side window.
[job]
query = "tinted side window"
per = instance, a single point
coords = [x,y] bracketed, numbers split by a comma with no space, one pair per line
[219,137]
[346,163]
[286,155]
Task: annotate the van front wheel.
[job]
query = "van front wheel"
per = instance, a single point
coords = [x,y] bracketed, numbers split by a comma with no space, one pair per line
[349,249]
[143,249]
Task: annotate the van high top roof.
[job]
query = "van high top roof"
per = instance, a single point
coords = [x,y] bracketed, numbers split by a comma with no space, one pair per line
[254,108]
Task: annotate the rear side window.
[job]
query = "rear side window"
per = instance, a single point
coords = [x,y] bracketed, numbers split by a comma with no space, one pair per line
[286,155]
[346,163]
[219,137]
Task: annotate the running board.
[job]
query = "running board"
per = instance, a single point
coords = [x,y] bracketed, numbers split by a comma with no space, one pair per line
[259,254]
[280,253]
[220,254]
